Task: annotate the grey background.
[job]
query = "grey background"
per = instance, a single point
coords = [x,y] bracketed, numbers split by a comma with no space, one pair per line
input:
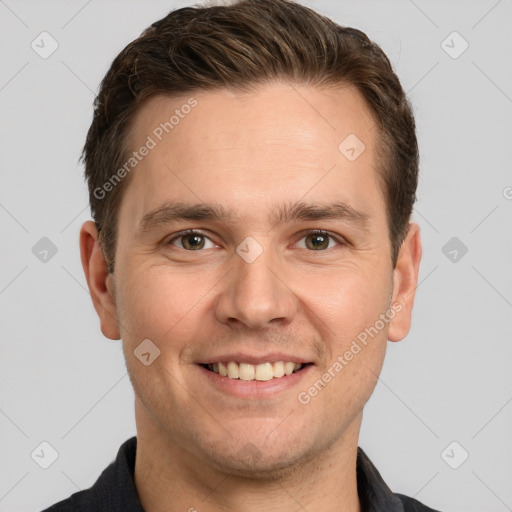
[450,380]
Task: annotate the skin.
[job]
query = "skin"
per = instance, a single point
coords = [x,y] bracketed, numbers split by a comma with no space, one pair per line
[252,152]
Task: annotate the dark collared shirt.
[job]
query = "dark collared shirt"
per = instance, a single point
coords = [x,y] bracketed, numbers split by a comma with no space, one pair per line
[115,491]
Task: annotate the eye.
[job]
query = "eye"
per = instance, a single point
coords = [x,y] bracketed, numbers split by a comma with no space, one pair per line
[191,240]
[318,240]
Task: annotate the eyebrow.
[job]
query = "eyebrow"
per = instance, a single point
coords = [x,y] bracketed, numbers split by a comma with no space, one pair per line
[286,213]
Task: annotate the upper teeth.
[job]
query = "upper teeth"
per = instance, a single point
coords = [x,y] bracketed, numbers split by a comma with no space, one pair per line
[245,371]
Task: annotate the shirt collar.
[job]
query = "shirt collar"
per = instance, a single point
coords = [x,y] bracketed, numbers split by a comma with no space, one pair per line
[373,492]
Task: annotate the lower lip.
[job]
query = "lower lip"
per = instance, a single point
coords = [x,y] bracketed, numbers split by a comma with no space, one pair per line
[255,388]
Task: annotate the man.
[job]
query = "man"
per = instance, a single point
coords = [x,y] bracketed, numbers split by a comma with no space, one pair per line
[252,170]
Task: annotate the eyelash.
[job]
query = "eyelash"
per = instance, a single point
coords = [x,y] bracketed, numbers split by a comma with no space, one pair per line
[319,232]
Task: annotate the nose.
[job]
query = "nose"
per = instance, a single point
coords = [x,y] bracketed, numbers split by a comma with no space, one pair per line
[256,294]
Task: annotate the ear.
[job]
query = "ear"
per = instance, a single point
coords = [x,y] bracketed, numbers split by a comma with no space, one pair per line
[99,280]
[405,281]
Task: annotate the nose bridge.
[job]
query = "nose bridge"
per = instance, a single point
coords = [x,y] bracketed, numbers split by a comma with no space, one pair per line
[254,293]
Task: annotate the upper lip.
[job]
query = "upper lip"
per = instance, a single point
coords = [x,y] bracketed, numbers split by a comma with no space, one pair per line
[241,357]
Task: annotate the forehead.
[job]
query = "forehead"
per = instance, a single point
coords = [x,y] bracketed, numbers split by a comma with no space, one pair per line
[296,114]
[280,141]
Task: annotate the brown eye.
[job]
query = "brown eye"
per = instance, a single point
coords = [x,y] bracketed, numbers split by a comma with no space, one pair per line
[318,240]
[190,241]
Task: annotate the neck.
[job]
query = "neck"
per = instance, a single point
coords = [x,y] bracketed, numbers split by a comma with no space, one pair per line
[170,478]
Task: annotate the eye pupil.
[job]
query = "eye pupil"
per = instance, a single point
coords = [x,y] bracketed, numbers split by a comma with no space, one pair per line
[318,236]
[197,238]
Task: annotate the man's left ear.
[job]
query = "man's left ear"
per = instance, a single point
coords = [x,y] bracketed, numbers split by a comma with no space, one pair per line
[405,281]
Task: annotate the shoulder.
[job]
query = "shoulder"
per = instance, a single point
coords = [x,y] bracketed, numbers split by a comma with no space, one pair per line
[412,505]
[97,498]
[101,497]
[113,491]
[62,506]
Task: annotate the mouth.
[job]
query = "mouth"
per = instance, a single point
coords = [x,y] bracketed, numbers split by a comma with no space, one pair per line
[259,372]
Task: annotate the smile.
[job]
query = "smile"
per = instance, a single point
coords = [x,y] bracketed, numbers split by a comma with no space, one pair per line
[248,372]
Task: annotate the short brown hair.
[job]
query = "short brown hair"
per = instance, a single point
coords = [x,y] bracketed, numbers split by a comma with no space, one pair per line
[239,47]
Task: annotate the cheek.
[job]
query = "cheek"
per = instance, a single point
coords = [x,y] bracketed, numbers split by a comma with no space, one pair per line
[356,342]
[347,300]
[161,304]
[347,305]
[145,307]
[353,386]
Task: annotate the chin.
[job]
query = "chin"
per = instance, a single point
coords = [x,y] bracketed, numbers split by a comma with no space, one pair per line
[253,463]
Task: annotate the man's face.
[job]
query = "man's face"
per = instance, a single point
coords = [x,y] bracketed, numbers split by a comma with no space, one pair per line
[254,288]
